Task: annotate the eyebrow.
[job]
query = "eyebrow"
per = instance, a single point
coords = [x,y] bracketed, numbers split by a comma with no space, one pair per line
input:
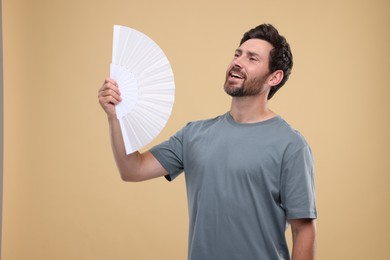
[250,53]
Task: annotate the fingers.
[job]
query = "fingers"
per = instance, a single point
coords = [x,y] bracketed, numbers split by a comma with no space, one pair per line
[110,81]
[109,96]
[109,92]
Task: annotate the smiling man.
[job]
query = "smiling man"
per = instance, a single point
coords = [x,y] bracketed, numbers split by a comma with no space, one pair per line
[249,80]
[248,172]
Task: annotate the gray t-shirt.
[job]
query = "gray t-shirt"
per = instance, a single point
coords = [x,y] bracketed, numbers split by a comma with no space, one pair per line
[243,182]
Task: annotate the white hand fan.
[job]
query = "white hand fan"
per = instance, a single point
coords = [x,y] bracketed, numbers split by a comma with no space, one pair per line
[147,87]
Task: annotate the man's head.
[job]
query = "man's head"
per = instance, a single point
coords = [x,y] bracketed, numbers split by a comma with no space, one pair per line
[280,57]
[248,73]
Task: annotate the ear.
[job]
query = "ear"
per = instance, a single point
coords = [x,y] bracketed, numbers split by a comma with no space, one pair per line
[275,78]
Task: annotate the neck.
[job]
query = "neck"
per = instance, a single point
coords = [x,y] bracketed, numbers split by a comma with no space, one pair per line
[250,109]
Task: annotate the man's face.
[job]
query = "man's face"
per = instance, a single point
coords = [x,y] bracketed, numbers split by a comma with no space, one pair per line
[248,72]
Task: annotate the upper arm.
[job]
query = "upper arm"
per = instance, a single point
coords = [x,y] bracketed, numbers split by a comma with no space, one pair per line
[148,168]
[298,225]
[163,159]
[303,231]
[304,238]
[297,185]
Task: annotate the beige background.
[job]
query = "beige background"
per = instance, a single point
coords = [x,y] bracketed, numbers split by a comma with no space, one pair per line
[63,198]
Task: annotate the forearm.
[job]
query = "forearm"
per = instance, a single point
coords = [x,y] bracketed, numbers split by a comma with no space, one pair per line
[127,164]
[135,166]
[304,241]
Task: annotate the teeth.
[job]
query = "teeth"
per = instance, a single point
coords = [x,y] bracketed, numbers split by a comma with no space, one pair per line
[236,75]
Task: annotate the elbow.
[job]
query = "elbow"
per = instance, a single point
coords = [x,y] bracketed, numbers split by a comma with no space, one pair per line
[127,177]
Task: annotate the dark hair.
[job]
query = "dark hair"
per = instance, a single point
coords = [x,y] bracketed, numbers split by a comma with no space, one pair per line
[280,57]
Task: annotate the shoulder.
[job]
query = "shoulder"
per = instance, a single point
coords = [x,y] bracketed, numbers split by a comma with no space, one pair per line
[291,136]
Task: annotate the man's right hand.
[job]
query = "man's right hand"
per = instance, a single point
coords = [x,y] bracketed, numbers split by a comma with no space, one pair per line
[109,96]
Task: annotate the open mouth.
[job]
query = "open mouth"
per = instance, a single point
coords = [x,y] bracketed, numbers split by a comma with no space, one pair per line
[237,75]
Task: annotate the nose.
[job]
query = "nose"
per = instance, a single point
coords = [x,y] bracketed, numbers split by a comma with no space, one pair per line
[237,62]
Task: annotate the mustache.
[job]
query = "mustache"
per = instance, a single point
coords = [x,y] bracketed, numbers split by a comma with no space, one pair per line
[235,69]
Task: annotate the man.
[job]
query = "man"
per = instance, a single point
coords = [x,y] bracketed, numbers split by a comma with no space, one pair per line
[248,173]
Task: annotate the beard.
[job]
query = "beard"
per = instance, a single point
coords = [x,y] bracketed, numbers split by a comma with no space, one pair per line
[248,87]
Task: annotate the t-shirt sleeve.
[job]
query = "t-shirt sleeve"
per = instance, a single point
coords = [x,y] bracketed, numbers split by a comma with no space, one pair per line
[170,155]
[297,185]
